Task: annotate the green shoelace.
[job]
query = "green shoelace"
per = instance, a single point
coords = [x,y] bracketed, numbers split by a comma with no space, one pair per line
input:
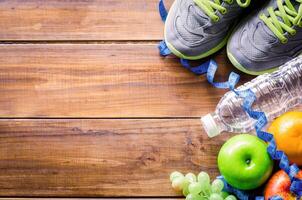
[210,6]
[290,19]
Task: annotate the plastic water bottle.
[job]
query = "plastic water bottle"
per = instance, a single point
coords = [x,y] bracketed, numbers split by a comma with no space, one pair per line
[276,93]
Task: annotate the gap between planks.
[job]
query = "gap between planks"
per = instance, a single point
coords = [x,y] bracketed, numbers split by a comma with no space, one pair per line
[79,42]
[103,198]
[98,118]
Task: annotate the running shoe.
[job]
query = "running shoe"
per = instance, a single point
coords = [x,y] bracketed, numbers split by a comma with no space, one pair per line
[268,38]
[195,29]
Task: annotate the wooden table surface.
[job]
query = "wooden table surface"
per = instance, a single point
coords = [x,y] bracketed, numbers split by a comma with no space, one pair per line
[88,108]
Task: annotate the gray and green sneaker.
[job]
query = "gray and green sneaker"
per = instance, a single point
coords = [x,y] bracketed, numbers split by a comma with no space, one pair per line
[195,29]
[268,38]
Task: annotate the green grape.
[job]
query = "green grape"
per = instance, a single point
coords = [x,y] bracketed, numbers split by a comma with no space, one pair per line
[185,192]
[231,197]
[185,188]
[191,177]
[195,188]
[203,177]
[215,189]
[215,196]
[204,180]
[178,183]
[205,188]
[224,194]
[201,197]
[217,186]
[192,197]
[175,174]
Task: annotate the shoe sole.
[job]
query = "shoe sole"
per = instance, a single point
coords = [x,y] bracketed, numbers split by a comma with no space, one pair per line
[203,55]
[197,57]
[243,69]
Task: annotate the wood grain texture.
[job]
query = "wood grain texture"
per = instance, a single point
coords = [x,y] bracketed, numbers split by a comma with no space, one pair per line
[80,20]
[120,76]
[101,80]
[118,198]
[107,158]
[83,198]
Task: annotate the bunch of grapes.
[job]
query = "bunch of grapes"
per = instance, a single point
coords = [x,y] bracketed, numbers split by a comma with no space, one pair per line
[199,188]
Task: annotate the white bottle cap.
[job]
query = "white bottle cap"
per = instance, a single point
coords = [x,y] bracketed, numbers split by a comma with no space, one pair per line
[210,125]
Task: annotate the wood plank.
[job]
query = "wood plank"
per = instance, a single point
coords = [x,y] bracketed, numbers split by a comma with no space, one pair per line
[94,158]
[101,80]
[118,198]
[80,20]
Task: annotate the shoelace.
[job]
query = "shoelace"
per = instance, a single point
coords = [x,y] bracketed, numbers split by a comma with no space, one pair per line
[210,6]
[284,19]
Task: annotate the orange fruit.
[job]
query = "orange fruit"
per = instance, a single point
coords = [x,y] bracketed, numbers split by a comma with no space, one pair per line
[287,130]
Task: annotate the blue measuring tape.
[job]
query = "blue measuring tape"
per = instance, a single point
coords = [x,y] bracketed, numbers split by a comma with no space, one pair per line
[275,154]
[210,67]
[162,10]
[163,49]
[249,97]
[162,46]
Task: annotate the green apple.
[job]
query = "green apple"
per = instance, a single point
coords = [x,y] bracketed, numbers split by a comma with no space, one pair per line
[244,162]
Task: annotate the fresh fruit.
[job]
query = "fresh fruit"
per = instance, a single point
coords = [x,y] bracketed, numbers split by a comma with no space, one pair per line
[200,188]
[175,174]
[279,184]
[192,197]
[185,190]
[191,177]
[215,196]
[203,177]
[230,197]
[287,130]
[244,162]
[224,195]
[195,188]
[217,186]
[178,183]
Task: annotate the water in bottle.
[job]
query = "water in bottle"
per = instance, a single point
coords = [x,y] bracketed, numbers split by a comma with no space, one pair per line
[276,93]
